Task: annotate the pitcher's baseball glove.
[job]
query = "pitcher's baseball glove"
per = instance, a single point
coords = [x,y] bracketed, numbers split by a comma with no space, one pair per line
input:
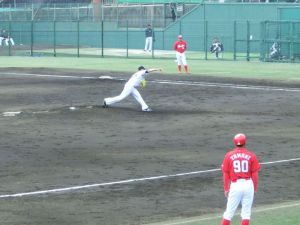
[143,83]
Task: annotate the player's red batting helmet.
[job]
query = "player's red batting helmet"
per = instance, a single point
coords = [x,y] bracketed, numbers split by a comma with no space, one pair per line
[179,36]
[239,139]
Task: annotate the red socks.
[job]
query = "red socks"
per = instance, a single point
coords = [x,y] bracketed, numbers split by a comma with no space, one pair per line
[245,222]
[179,69]
[186,69]
[225,222]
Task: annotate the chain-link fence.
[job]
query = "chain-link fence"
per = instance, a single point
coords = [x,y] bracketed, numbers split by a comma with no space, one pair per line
[241,41]
[281,41]
[120,31]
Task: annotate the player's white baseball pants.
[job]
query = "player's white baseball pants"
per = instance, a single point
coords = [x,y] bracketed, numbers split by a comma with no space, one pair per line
[128,90]
[181,59]
[1,40]
[241,191]
[148,44]
[7,40]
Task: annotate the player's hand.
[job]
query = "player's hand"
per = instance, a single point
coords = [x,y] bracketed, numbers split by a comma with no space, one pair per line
[226,193]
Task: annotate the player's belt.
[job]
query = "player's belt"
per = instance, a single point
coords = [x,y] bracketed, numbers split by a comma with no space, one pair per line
[240,179]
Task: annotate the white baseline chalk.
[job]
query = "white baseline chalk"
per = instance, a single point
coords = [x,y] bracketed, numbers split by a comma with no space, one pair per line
[185,83]
[88,186]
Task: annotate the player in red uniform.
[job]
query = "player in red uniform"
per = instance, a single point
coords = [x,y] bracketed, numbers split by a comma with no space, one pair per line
[240,169]
[180,47]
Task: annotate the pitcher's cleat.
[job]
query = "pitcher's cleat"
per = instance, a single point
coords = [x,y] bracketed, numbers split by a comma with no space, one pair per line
[147,110]
[104,104]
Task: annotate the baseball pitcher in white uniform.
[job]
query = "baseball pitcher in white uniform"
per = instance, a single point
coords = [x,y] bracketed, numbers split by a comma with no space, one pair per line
[130,88]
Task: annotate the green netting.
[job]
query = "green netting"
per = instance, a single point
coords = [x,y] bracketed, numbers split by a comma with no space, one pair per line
[287,36]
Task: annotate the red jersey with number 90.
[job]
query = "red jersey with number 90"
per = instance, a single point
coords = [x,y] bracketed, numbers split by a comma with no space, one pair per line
[180,46]
[240,163]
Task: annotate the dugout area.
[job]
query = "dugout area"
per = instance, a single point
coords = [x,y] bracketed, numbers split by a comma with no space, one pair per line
[48,146]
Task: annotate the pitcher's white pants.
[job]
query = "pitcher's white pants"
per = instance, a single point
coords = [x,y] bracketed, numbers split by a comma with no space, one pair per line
[128,90]
[241,191]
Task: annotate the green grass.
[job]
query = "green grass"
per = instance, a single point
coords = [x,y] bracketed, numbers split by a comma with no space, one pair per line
[279,214]
[243,69]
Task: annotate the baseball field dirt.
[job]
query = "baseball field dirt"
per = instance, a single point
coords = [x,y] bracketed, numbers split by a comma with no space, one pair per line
[46,145]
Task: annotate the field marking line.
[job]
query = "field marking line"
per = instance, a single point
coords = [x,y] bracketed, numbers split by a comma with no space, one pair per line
[227,85]
[187,83]
[48,75]
[255,210]
[126,181]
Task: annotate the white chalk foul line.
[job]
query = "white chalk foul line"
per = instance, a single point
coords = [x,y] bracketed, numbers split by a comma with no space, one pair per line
[88,186]
[49,75]
[224,85]
[186,83]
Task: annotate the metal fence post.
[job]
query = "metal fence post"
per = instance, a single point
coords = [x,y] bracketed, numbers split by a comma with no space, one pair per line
[291,41]
[9,42]
[127,36]
[205,38]
[248,40]
[152,50]
[234,40]
[78,39]
[102,36]
[54,38]
[165,15]
[163,39]
[262,40]
[31,44]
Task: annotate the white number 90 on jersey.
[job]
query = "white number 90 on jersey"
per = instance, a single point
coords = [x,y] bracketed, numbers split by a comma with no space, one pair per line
[241,166]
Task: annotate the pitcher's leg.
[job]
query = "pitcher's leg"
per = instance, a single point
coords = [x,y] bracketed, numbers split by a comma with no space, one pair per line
[136,94]
[126,91]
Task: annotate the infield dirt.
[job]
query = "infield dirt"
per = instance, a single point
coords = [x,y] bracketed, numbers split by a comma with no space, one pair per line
[49,146]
